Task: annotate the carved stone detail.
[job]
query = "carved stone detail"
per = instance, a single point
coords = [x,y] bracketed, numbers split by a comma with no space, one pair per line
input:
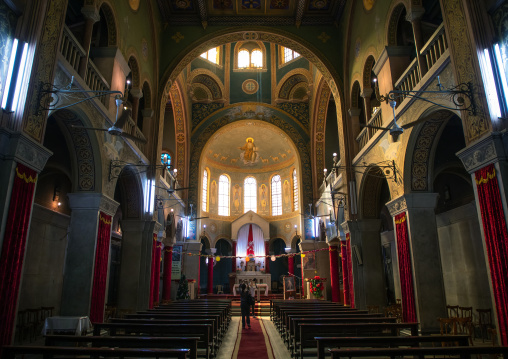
[108,205]
[397,206]
[483,153]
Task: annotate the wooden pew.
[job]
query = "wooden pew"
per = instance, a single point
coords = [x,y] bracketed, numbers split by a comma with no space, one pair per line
[462,352]
[190,343]
[214,323]
[203,331]
[293,333]
[282,312]
[224,319]
[222,326]
[308,331]
[10,352]
[286,323]
[391,341]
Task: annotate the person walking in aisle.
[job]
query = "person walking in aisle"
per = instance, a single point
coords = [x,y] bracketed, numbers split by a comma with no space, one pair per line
[252,291]
[245,300]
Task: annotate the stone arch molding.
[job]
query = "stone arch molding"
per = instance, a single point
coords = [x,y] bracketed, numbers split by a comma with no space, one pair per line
[290,74]
[210,74]
[107,8]
[286,39]
[370,192]
[391,26]
[87,174]
[421,149]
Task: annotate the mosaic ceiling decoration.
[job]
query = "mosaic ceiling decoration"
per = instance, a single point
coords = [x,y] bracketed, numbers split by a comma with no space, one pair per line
[251,12]
[249,145]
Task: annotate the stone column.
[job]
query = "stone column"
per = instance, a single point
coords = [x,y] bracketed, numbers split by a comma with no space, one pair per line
[414,17]
[80,253]
[233,253]
[430,299]
[322,262]
[490,150]
[91,14]
[166,279]
[191,263]
[355,127]
[334,269]
[210,271]
[267,258]
[17,148]
[368,278]
[367,92]
[148,129]
[345,272]
[135,271]
[136,94]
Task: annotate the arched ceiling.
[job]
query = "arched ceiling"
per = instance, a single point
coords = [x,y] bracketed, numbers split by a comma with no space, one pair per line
[249,146]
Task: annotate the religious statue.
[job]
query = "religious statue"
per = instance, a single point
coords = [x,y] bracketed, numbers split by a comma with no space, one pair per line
[249,154]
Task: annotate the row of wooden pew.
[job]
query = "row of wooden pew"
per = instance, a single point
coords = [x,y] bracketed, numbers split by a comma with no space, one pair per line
[315,328]
[182,329]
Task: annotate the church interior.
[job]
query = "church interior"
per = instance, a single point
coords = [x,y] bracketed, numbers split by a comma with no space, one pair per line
[338,156]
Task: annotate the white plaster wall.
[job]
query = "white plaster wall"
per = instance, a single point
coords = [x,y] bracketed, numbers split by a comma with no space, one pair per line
[44,260]
[463,262]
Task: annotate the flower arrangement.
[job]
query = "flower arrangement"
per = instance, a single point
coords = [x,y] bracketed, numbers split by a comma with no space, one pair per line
[316,286]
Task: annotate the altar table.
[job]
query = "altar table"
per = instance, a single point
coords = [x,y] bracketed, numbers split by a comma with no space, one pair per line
[76,325]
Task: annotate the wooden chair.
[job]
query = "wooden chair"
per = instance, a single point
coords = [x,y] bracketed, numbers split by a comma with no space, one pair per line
[373,309]
[220,289]
[453,311]
[447,326]
[484,323]
[21,325]
[466,312]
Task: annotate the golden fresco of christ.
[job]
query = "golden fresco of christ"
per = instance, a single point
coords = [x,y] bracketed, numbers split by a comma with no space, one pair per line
[249,154]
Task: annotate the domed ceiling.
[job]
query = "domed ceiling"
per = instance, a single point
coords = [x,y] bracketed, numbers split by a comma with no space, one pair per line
[249,146]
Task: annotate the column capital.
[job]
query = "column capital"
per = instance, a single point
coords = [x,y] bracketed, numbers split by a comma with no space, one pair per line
[354,112]
[483,152]
[157,228]
[367,92]
[415,13]
[334,242]
[90,12]
[136,92]
[147,113]
[18,147]
[92,201]
[411,201]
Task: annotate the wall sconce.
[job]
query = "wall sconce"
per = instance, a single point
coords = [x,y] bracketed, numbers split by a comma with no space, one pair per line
[127,86]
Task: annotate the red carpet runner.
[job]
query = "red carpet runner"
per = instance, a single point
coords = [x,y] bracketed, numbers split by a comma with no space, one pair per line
[253,342]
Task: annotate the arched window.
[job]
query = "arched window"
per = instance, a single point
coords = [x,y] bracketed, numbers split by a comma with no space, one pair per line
[296,201]
[204,203]
[287,55]
[250,56]
[212,55]
[250,202]
[223,195]
[166,159]
[276,196]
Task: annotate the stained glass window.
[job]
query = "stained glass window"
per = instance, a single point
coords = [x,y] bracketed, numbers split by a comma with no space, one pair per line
[223,195]
[296,201]
[249,195]
[276,196]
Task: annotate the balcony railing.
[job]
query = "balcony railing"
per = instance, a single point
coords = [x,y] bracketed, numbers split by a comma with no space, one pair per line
[435,47]
[132,129]
[71,49]
[73,52]
[367,133]
[409,79]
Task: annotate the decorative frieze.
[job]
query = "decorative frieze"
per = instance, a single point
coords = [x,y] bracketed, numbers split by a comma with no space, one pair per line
[482,153]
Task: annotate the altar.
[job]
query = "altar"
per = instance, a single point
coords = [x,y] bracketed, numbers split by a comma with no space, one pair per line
[260,277]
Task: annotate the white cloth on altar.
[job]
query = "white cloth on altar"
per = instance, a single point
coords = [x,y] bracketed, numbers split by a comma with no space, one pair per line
[259,244]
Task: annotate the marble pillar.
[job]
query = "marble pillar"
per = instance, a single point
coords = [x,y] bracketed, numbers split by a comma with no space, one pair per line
[191,263]
[367,262]
[80,253]
[430,299]
[135,271]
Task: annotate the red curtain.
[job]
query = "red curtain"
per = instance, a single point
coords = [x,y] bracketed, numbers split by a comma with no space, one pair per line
[350,271]
[250,242]
[334,273]
[405,269]
[496,242]
[152,271]
[345,273]
[166,279]
[100,269]
[13,248]
[291,265]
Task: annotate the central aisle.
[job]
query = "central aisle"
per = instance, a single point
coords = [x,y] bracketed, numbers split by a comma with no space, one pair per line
[260,342]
